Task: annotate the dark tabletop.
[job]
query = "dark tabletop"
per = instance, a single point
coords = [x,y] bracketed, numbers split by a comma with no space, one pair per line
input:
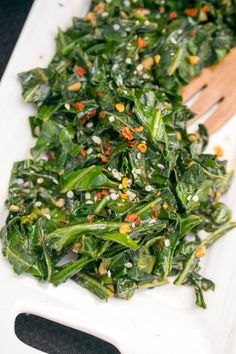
[42,334]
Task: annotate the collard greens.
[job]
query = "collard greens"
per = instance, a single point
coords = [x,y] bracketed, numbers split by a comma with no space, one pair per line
[116,183]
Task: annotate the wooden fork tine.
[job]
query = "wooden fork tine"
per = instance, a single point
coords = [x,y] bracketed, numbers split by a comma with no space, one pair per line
[195,85]
[209,97]
[223,113]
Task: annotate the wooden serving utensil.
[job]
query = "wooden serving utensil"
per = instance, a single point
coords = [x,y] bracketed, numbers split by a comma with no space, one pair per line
[217,86]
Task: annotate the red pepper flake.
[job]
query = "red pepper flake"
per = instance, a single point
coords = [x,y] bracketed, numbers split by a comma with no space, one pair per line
[91,114]
[51,155]
[102,115]
[104,192]
[88,116]
[101,194]
[108,146]
[191,12]
[64,222]
[83,152]
[124,196]
[107,152]
[132,144]
[40,239]
[142,43]
[155,211]
[219,152]
[107,149]
[205,8]
[91,218]
[139,129]
[79,105]
[98,195]
[133,218]
[127,133]
[105,159]
[193,34]
[80,71]
[142,148]
[173,15]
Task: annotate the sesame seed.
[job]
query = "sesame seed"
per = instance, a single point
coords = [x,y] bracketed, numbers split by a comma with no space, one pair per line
[108,1]
[161,166]
[112,190]
[189,197]
[149,188]
[38,204]
[195,198]
[109,274]
[89,202]
[104,14]
[131,195]
[70,194]
[96,139]
[116,174]
[126,3]
[128,61]
[139,155]
[129,182]
[128,265]
[147,23]
[116,27]
[89,125]
[151,221]
[40,180]
[146,76]
[89,151]
[114,196]
[111,119]
[20,181]
[47,216]
[115,67]
[137,22]
[136,171]
[119,80]
[60,203]
[37,131]
[67,106]
[167,242]
[26,184]
[139,67]
[87,195]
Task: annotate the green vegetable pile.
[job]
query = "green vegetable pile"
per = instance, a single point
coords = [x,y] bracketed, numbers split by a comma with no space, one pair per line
[116,183]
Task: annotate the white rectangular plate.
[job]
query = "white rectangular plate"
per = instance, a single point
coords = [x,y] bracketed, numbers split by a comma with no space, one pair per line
[164,320]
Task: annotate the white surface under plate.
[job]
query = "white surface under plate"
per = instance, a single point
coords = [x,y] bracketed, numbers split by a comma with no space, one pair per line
[164,320]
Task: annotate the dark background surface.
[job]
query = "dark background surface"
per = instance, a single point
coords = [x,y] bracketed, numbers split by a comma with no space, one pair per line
[42,334]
